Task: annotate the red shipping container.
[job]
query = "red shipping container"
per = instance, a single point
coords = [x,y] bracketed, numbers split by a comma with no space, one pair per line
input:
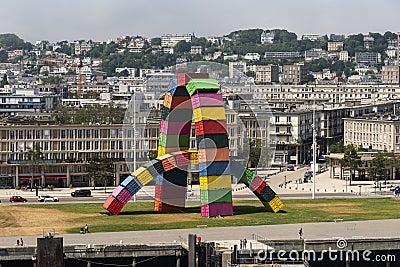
[257,181]
[207,100]
[210,127]
[261,187]
[113,205]
[184,78]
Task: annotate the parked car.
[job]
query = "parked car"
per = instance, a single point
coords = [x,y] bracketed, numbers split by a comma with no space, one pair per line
[290,168]
[47,198]
[81,193]
[18,199]
[395,187]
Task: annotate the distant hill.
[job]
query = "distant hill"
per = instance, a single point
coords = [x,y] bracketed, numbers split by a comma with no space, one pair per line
[10,41]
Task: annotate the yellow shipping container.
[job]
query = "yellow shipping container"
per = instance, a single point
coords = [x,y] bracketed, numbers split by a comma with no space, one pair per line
[143,175]
[215,182]
[274,205]
[209,113]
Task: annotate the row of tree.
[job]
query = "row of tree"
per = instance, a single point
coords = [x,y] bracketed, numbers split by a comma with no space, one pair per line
[91,114]
[382,165]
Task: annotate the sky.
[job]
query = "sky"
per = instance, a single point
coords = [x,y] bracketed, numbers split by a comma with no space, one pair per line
[102,20]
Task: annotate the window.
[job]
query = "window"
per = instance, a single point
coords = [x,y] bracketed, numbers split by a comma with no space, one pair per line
[112,144]
[96,145]
[71,133]
[96,133]
[87,145]
[63,133]
[79,133]
[88,133]
[80,145]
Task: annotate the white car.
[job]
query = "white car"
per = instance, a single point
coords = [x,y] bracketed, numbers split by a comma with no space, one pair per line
[47,198]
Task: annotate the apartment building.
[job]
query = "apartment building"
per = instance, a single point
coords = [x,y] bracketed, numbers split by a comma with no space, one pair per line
[390,74]
[294,74]
[368,58]
[266,74]
[281,55]
[376,132]
[170,40]
[335,46]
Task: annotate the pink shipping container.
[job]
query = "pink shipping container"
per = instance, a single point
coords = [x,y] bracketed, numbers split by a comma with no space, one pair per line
[122,194]
[175,127]
[207,100]
[217,209]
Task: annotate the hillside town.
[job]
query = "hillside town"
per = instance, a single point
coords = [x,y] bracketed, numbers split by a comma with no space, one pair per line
[64,104]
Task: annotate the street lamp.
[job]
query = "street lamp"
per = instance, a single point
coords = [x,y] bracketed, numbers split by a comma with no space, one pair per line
[314,147]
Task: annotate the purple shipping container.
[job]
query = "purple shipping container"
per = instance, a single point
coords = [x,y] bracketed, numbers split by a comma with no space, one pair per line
[171,192]
[122,194]
[207,100]
[175,127]
[217,209]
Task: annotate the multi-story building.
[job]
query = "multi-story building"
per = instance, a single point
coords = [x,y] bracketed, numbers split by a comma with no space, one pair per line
[267,37]
[252,56]
[335,46]
[368,58]
[294,74]
[237,68]
[169,40]
[390,74]
[376,132]
[267,74]
[368,42]
[398,48]
[281,55]
[312,37]
[344,55]
[196,49]
[314,53]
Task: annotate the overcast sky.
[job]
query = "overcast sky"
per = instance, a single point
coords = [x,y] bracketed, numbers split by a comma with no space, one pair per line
[102,20]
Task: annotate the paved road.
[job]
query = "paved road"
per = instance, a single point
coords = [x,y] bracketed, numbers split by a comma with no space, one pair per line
[377,228]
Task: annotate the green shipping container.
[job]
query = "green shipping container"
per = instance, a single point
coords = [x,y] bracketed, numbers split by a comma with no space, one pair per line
[207,85]
[247,177]
[173,140]
[216,195]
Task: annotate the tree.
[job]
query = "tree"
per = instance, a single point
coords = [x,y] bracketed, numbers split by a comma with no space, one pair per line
[4,81]
[377,167]
[100,170]
[182,47]
[337,148]
[255,152]
[351,161]
[34,156]
[155,41]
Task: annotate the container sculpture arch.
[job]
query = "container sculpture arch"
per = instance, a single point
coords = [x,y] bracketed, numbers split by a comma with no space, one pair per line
[192,96]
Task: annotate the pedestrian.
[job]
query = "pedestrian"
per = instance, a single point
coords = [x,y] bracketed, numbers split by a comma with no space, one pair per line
[244,243]
[21,242]
[241,244]
[301,233]
[86,228]
[18,242]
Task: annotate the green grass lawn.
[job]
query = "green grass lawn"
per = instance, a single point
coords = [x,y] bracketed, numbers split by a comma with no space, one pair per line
[140,215]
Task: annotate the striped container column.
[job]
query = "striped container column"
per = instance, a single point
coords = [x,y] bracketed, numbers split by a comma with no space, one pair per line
[213,151]
[174,136]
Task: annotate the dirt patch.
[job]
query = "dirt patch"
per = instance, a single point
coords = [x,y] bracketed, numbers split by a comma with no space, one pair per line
[20,220]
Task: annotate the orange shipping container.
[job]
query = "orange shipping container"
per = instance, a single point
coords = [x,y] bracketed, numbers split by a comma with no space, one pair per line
[213,154]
